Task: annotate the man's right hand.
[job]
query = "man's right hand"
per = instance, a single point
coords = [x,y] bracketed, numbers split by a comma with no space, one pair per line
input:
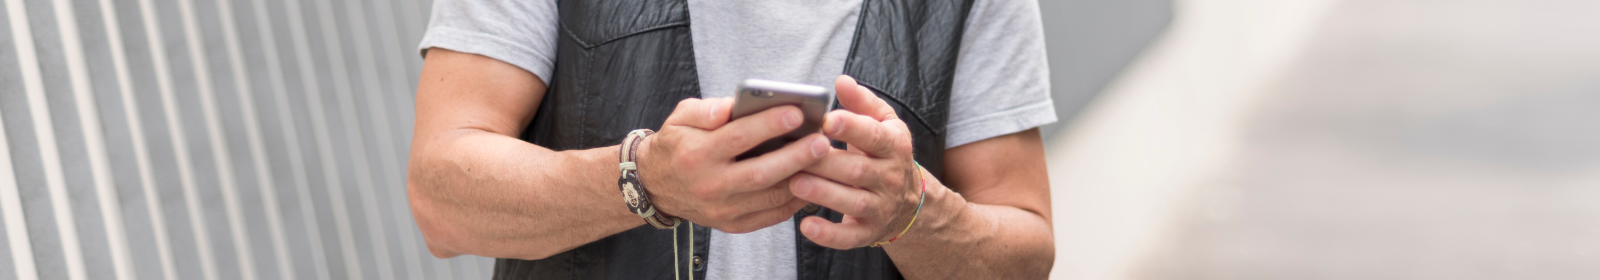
[689,171]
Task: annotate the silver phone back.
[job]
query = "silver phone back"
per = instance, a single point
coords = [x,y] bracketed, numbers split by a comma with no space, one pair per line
[756,95]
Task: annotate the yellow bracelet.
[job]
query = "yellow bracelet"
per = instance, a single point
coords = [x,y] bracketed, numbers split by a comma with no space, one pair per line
[923,198]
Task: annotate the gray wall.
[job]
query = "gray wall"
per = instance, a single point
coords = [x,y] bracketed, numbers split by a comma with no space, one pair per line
[1090,42]
[243,139]
[210,139]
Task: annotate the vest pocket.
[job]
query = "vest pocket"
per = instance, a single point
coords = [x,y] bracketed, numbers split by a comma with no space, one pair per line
[594,23]
[619,66]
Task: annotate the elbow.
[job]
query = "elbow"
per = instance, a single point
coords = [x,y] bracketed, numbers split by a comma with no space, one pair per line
[444,237]
[1042,264]
[1037,263]
[435,235]
[1044,259]
[441,252]
[440,219]
[438,243]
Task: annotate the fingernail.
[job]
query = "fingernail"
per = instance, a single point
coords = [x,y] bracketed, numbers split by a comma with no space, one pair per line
[811,229]
[712,114]
[791,120]
[838,125]
[802,186]
[819,147]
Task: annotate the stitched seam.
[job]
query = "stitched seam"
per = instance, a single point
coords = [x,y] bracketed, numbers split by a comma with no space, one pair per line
[586,45]
[583,105]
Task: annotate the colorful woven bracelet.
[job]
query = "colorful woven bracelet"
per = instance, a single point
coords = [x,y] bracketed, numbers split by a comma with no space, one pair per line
[923,198]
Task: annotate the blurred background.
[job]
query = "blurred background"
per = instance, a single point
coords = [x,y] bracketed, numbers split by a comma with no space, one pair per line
[1200,139]
[1355,139]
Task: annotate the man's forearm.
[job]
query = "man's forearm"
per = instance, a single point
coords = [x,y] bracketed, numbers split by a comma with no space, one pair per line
[481,193]
[957,239]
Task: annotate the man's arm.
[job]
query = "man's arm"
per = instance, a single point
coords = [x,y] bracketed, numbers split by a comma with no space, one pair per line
[997,227]
[477,189]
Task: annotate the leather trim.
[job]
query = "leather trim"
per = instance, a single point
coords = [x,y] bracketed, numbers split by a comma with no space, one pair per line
[587,45]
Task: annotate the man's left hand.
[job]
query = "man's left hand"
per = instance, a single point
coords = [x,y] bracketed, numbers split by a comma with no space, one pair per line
[873,183]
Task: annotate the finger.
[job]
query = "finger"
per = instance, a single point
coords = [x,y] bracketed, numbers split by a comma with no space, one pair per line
[849,168]
[779,165]
[856,98]
[745,133]
[848,234]
[845,199]
[773,195]
[879,139]
[768,218]
[707,114]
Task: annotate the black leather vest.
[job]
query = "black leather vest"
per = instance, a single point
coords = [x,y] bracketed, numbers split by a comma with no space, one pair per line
[625,64]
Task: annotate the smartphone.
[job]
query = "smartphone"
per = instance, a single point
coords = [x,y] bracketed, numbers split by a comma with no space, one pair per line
[756,95]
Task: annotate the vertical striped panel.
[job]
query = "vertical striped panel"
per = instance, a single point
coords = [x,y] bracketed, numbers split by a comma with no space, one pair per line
[45,204]
[380,127]
[414,14]
[133,56]
[211,139]
[62,127]
[249,122]
[334,33]
[199,260]
[136,166]
[349,264]
[202,64]
[191,106]
[109,235]
[19,258]
[18,262]
[302,229]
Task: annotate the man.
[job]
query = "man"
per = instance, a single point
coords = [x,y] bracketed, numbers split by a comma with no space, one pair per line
[525,110]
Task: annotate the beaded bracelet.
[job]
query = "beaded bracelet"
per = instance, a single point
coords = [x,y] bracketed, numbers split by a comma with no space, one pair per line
[923,198]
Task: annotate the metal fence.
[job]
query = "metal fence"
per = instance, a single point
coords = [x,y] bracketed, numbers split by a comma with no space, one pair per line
[210,139]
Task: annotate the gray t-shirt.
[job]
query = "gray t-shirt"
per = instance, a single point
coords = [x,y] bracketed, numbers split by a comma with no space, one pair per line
[1001,79]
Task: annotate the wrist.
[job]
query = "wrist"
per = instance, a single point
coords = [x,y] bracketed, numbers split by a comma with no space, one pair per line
[650,176]
[942,209]
[635,193]
[910,206]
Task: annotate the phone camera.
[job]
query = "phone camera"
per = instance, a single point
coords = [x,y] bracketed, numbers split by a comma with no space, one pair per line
[760,93]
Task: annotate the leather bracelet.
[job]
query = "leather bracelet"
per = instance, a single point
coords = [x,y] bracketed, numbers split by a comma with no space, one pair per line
[633,192]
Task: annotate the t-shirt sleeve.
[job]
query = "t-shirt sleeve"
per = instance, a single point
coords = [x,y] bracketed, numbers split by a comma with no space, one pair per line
[519,32]
[1002,79]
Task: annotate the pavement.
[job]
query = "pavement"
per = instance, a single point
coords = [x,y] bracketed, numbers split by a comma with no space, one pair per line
[1360,139]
